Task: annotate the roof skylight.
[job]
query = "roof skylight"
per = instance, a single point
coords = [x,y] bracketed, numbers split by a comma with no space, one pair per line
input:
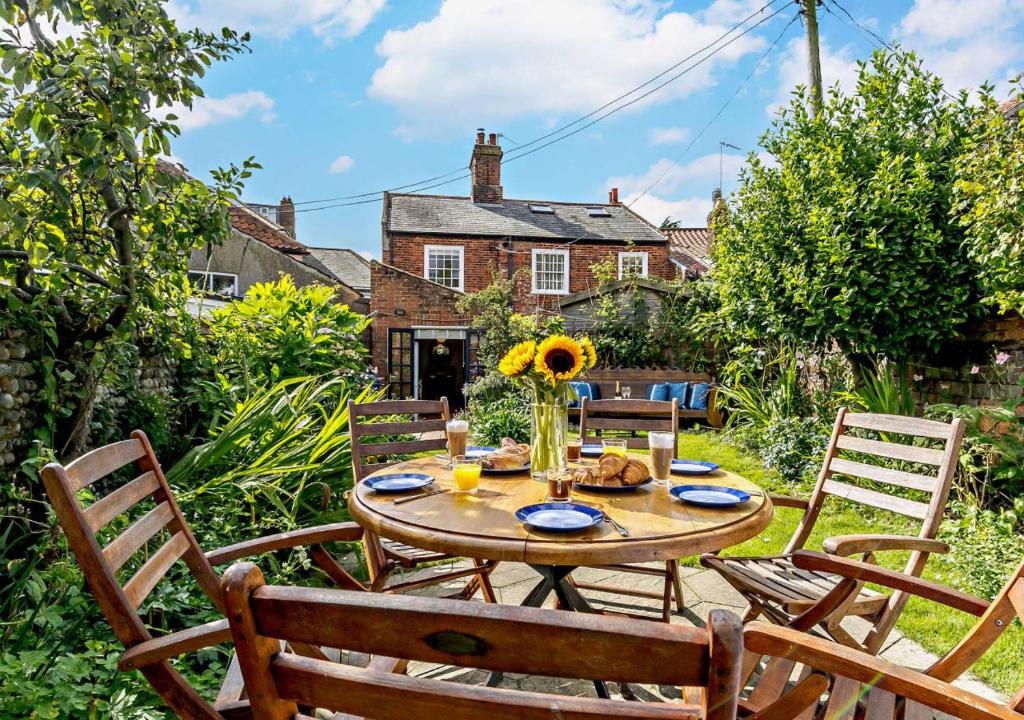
[598,212]
[542,209]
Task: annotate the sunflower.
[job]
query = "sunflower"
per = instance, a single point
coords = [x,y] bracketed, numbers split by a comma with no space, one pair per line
[518,359]
[588,351]
[558,358]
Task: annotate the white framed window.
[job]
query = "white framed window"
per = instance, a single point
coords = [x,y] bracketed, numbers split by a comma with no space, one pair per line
[215,282]
[443,264]
[632,264]
[550,272]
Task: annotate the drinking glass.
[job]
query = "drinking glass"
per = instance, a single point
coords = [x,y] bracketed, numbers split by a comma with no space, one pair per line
[467,473]
[457,432]
[559,486]
[662,446]
[626,392]
[614,445]
[573,450]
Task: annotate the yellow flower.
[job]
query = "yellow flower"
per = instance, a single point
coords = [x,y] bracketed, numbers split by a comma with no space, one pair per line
[558,358]
[518,359]
[588,351]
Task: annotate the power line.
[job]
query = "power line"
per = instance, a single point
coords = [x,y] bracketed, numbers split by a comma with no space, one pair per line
[558,131]
[718,114]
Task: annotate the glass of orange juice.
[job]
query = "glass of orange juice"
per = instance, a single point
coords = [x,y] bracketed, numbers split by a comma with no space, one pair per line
[614,445]
[467,473]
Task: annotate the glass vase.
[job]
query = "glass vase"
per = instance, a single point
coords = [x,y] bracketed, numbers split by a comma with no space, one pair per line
[549,434]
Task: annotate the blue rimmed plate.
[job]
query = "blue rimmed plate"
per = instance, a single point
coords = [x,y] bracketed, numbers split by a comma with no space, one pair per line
[591,450]
[507,471]
[559,517]
[398,482]
[612,488]
[478,451]
[693,467]
[714,496]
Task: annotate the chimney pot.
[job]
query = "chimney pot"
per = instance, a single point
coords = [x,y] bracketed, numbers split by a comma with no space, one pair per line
[613,196]
[492,139]
[480,136]
[286,215]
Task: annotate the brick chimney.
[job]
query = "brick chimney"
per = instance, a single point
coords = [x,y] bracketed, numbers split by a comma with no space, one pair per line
[286,215]
[613,196]
[485,166]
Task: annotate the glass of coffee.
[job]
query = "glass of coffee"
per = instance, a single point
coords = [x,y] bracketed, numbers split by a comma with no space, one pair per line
[573,449]
[559,485]
[662,445]
[458,437]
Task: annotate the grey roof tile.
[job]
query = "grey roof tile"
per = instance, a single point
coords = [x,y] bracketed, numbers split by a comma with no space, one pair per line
[346,265]
[442,214]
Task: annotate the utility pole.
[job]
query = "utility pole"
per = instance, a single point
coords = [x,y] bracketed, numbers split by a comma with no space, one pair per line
[810,10]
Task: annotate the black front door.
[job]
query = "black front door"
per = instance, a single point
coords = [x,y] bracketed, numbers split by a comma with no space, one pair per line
[400,363]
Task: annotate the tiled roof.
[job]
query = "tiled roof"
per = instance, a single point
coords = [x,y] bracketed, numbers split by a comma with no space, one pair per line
[252,224]
[1011,107]
[346,265]
[690,247]
[449,215]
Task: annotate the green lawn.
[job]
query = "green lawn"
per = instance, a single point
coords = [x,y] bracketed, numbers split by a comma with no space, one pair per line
[935,627]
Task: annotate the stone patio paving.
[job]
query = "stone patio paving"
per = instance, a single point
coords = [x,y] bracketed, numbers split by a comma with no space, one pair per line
[704,591]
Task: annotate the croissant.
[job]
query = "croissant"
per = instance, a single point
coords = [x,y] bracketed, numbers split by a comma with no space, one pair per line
[612,464]
[635,473]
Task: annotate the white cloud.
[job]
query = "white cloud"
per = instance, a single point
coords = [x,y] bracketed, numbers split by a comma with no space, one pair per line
[479,62]
[733,11]
[965,43]
[669,135]
[682,191]
[342,163]
[211,111]
[327,19]
[837,65]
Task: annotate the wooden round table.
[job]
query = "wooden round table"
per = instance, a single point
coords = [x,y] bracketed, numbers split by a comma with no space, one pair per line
[484,525]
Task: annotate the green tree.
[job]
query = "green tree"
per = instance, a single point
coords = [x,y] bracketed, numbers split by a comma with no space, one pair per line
[989,199]
[845,235]
[96,228]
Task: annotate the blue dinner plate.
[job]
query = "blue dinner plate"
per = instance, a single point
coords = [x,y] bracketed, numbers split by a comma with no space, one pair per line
[478,451]
[693,467]
[612,488]
[559,517]
[398,482]
[592,451]
[710,495]
[507,471]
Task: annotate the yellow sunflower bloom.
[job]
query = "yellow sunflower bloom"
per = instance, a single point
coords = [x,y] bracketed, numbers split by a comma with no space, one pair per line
[518,359]
[558,358]
[589,352]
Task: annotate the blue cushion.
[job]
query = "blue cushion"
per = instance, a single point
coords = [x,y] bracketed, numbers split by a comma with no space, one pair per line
[678,391]
[699,396]
[595,390]
[657,391]
[581,390]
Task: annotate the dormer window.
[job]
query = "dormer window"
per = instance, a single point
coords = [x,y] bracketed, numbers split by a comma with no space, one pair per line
[541,209]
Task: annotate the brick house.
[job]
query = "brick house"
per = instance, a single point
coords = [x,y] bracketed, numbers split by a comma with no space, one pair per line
[435,248]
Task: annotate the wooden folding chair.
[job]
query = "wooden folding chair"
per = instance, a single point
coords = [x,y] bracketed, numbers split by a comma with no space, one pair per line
[155,540]
[780,592]
[632,415]
[794,674]
[384,556]
[495,638]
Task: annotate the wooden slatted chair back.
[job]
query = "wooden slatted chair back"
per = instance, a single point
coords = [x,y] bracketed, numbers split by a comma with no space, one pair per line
[472,635]
[430,417]
[123,572]
[807,677]
[627,416]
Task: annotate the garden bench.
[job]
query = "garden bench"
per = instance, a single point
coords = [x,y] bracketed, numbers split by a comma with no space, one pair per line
[494,638]
[638,380]
[784,594]
[151,545]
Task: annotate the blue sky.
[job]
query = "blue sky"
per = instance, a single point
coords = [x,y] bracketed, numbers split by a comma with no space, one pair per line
[341,97]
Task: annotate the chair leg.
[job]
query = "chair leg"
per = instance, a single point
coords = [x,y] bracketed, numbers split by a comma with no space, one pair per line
[666,601]
[486,589]
[677,584]
[753,610]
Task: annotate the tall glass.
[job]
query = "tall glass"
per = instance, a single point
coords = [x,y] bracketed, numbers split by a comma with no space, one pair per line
[662,445]
[457,432]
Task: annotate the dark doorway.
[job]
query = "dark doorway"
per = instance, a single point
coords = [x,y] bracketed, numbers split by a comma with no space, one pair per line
[442,370]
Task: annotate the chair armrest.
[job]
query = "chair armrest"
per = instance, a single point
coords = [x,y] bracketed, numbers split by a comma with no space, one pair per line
[838,660]
[856,570]
[335,532]
[175,644]
[846,545]
[787,501]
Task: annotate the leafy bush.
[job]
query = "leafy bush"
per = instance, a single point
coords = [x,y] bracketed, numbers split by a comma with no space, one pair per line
[760,389]
[793,446]
[507,416]
[883,388]
[985,546]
